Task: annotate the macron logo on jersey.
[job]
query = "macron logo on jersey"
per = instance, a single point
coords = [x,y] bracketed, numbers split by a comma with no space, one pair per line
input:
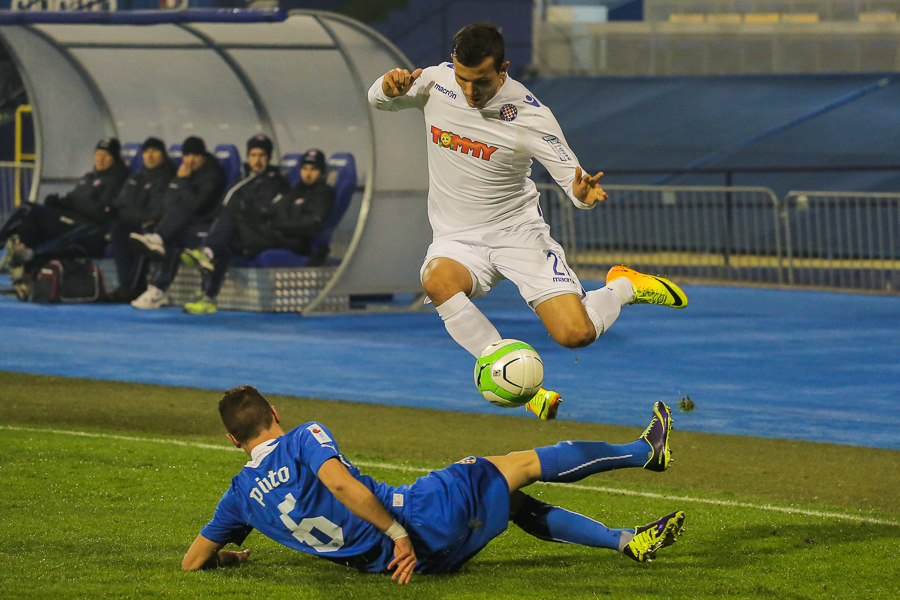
[445,91]
[446,139]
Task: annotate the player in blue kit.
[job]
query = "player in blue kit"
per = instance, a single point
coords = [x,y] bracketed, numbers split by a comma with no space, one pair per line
[299,490]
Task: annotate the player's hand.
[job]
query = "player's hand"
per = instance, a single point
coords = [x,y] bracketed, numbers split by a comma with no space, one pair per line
[231,557]
[398,81]
[587,189]
[404,560]
[184,170]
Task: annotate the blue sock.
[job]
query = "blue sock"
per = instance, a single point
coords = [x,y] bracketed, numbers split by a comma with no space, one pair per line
[573,461]
[555,524]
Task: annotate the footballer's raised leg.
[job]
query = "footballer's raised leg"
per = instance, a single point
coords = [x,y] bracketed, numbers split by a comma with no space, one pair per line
[573,461]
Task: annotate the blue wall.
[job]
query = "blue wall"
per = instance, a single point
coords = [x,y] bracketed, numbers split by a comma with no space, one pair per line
[733,122]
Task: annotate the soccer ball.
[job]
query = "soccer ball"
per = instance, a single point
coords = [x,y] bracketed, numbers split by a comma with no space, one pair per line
[509,373]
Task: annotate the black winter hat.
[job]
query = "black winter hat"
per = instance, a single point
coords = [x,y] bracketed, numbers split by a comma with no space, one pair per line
[193,145]
[154,142]
[260,141]
[315,158]
[111,145]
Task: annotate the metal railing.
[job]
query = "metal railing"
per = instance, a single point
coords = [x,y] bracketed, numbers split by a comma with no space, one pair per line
[826,10]
[843,240]
[735,234]
[636,48]
[15,186]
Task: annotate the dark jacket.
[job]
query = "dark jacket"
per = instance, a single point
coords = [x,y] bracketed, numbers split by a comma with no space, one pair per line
[301,214]
[142,197]
[92,199]
[251,202]
[201,191]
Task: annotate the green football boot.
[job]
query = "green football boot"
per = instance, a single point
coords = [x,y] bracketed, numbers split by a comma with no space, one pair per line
[648,539]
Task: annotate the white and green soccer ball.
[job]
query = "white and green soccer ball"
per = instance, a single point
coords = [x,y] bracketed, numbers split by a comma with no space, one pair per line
[509,373]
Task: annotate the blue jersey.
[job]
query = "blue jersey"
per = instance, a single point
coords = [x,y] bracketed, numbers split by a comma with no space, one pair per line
[450,514]
[279,493]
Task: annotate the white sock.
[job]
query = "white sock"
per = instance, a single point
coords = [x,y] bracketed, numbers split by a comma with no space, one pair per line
[623,287]
[467,325]
[603,307]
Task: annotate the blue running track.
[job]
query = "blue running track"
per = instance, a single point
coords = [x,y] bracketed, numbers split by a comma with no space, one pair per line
[772,363]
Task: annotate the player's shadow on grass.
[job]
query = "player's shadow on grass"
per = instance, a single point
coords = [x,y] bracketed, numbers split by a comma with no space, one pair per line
[553,564]
[747,544]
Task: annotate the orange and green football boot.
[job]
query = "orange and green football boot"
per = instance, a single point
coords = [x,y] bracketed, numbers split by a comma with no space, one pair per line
[544,404]
[649,289]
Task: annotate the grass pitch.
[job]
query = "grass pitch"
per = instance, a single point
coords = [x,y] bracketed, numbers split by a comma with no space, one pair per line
[110,514]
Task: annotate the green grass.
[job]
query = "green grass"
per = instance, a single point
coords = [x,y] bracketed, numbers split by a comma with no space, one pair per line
[91,517]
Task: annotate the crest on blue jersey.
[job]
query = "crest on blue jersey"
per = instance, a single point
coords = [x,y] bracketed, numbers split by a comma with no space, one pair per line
[508,112]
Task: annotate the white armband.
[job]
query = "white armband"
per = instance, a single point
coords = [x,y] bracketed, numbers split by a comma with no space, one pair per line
[396,531]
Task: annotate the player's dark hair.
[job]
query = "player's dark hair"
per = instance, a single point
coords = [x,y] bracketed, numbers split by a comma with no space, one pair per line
[245,412]
[474,43]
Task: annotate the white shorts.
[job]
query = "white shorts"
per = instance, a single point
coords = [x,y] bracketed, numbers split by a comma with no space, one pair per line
[524,254]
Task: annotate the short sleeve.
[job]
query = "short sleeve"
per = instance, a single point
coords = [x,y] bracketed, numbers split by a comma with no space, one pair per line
[317,445]
[227,524]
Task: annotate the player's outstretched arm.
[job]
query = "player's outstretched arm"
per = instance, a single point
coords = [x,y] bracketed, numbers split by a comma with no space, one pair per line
[397,82]
[363,503]
[587,188]
[206,554]
[398,89]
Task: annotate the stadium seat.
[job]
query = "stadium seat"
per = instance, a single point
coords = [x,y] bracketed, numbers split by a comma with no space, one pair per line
[175,154]
[133,157]
[290,168]
[342,177]
[230,160]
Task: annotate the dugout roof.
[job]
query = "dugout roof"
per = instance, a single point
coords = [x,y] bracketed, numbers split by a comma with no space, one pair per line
[300,79]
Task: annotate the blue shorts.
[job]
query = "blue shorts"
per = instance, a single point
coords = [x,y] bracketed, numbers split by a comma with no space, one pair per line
[452,514]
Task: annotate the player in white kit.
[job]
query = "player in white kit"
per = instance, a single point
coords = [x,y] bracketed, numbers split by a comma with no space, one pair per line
[482,130]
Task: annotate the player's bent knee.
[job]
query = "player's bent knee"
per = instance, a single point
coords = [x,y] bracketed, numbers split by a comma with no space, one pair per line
[575,337]
[442,281]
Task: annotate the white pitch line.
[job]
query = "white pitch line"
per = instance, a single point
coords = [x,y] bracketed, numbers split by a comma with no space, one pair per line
[393,467]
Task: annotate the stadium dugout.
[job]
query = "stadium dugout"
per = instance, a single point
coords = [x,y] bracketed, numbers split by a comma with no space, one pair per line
[226,75]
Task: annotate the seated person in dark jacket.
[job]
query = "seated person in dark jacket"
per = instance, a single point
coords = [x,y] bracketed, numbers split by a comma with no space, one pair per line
[80,217]
[139,208]
[190,205]
[263,217]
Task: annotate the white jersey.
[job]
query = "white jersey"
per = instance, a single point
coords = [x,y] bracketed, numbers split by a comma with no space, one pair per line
[479,160]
